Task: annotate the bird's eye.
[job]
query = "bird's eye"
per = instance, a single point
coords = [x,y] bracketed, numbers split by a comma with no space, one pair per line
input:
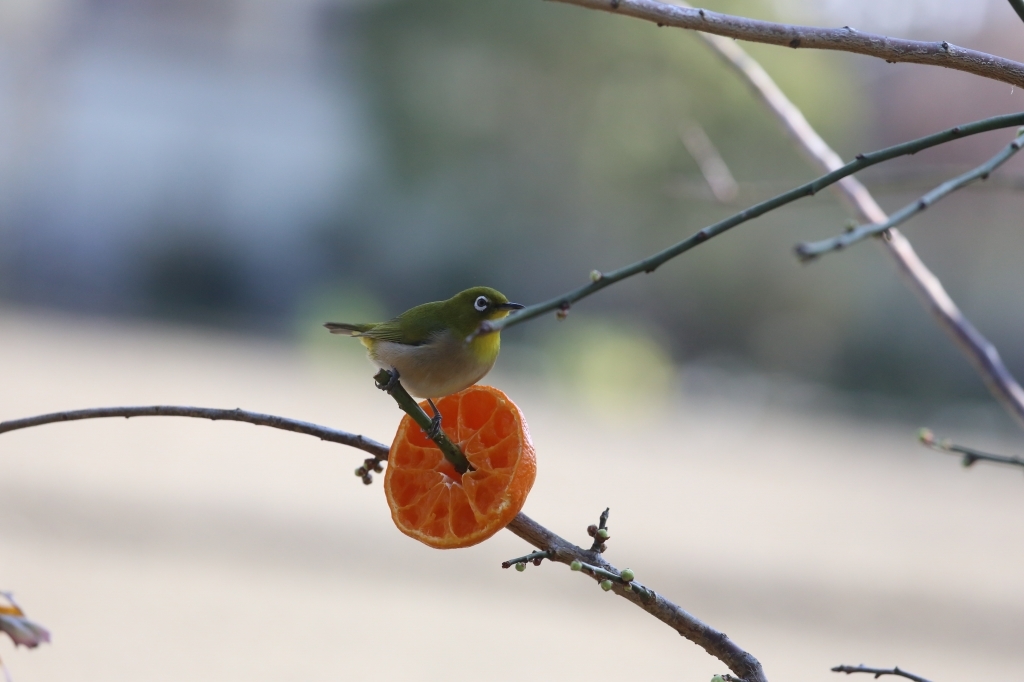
[481,303]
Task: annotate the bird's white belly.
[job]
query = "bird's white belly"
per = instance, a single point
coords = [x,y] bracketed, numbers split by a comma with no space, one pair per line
[440,367]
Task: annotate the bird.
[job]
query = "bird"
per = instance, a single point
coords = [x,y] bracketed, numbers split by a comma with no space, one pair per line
[431,347]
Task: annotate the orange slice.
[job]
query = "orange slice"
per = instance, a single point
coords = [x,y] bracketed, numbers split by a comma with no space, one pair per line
[431,502]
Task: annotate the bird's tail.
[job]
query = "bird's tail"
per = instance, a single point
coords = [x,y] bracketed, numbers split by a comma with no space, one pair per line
[348,329]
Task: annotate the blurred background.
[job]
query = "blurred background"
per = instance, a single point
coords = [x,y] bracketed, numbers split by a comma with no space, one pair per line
[189,188]
[258,166]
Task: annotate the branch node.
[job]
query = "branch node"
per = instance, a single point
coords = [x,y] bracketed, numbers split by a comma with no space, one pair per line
[599,532]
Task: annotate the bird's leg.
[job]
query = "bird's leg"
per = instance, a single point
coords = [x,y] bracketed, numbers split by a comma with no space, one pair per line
[392,380]
[435,421]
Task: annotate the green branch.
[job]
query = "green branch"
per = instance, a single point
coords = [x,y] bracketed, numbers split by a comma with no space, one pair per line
[405,401]
[810,250]
[1018,7]
[601,280]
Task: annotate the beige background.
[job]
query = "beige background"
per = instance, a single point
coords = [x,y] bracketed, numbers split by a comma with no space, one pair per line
[168,549]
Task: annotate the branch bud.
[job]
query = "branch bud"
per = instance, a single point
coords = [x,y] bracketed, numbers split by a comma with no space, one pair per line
[520,567]
[575,566]
[627,575]
[603,533]
[606,585]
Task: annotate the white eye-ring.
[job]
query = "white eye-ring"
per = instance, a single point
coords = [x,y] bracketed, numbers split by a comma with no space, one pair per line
[481,303]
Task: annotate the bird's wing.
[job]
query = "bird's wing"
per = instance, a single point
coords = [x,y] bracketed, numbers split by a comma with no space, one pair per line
[414,327]
[349,329]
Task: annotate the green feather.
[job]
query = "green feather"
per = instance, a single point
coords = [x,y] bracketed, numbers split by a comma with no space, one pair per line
[417,325]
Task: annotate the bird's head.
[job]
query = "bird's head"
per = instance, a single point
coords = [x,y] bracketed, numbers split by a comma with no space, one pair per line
[467,309]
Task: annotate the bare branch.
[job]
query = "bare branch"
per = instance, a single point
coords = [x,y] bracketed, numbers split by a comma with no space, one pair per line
[554,547]
[843,39]
[839,174]
[970,455]
[378,450]
[811,250]
[703,635]
[1018,7]
[877,672]
[982,355]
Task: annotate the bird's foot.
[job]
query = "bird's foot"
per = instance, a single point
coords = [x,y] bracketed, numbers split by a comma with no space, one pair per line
[392,381]
[435,422]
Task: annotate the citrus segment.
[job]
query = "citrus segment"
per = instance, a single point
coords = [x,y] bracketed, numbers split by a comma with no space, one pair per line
[433,503]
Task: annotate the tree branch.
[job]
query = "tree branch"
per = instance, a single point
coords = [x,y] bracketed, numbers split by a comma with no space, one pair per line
[703,635]
[810,250]
[714,642]
[838,174]
[982,355]
[1018,7]
[378,450]
[450,450]
[970,455]
[877,672]
[844,39]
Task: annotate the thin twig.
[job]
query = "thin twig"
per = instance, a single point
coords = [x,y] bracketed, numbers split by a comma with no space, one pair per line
[970,455]
[600,532]
[810,250]
[405,401]
[839,174]
[877,672]
[712,166]
[845,39]
[978,350]
[703,635]
[534,558]
[1018,7]
[378,450]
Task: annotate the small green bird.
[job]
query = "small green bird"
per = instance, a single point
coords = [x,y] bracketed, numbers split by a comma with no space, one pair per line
[426,346]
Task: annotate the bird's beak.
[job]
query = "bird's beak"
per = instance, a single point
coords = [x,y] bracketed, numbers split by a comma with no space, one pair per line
[510,306]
